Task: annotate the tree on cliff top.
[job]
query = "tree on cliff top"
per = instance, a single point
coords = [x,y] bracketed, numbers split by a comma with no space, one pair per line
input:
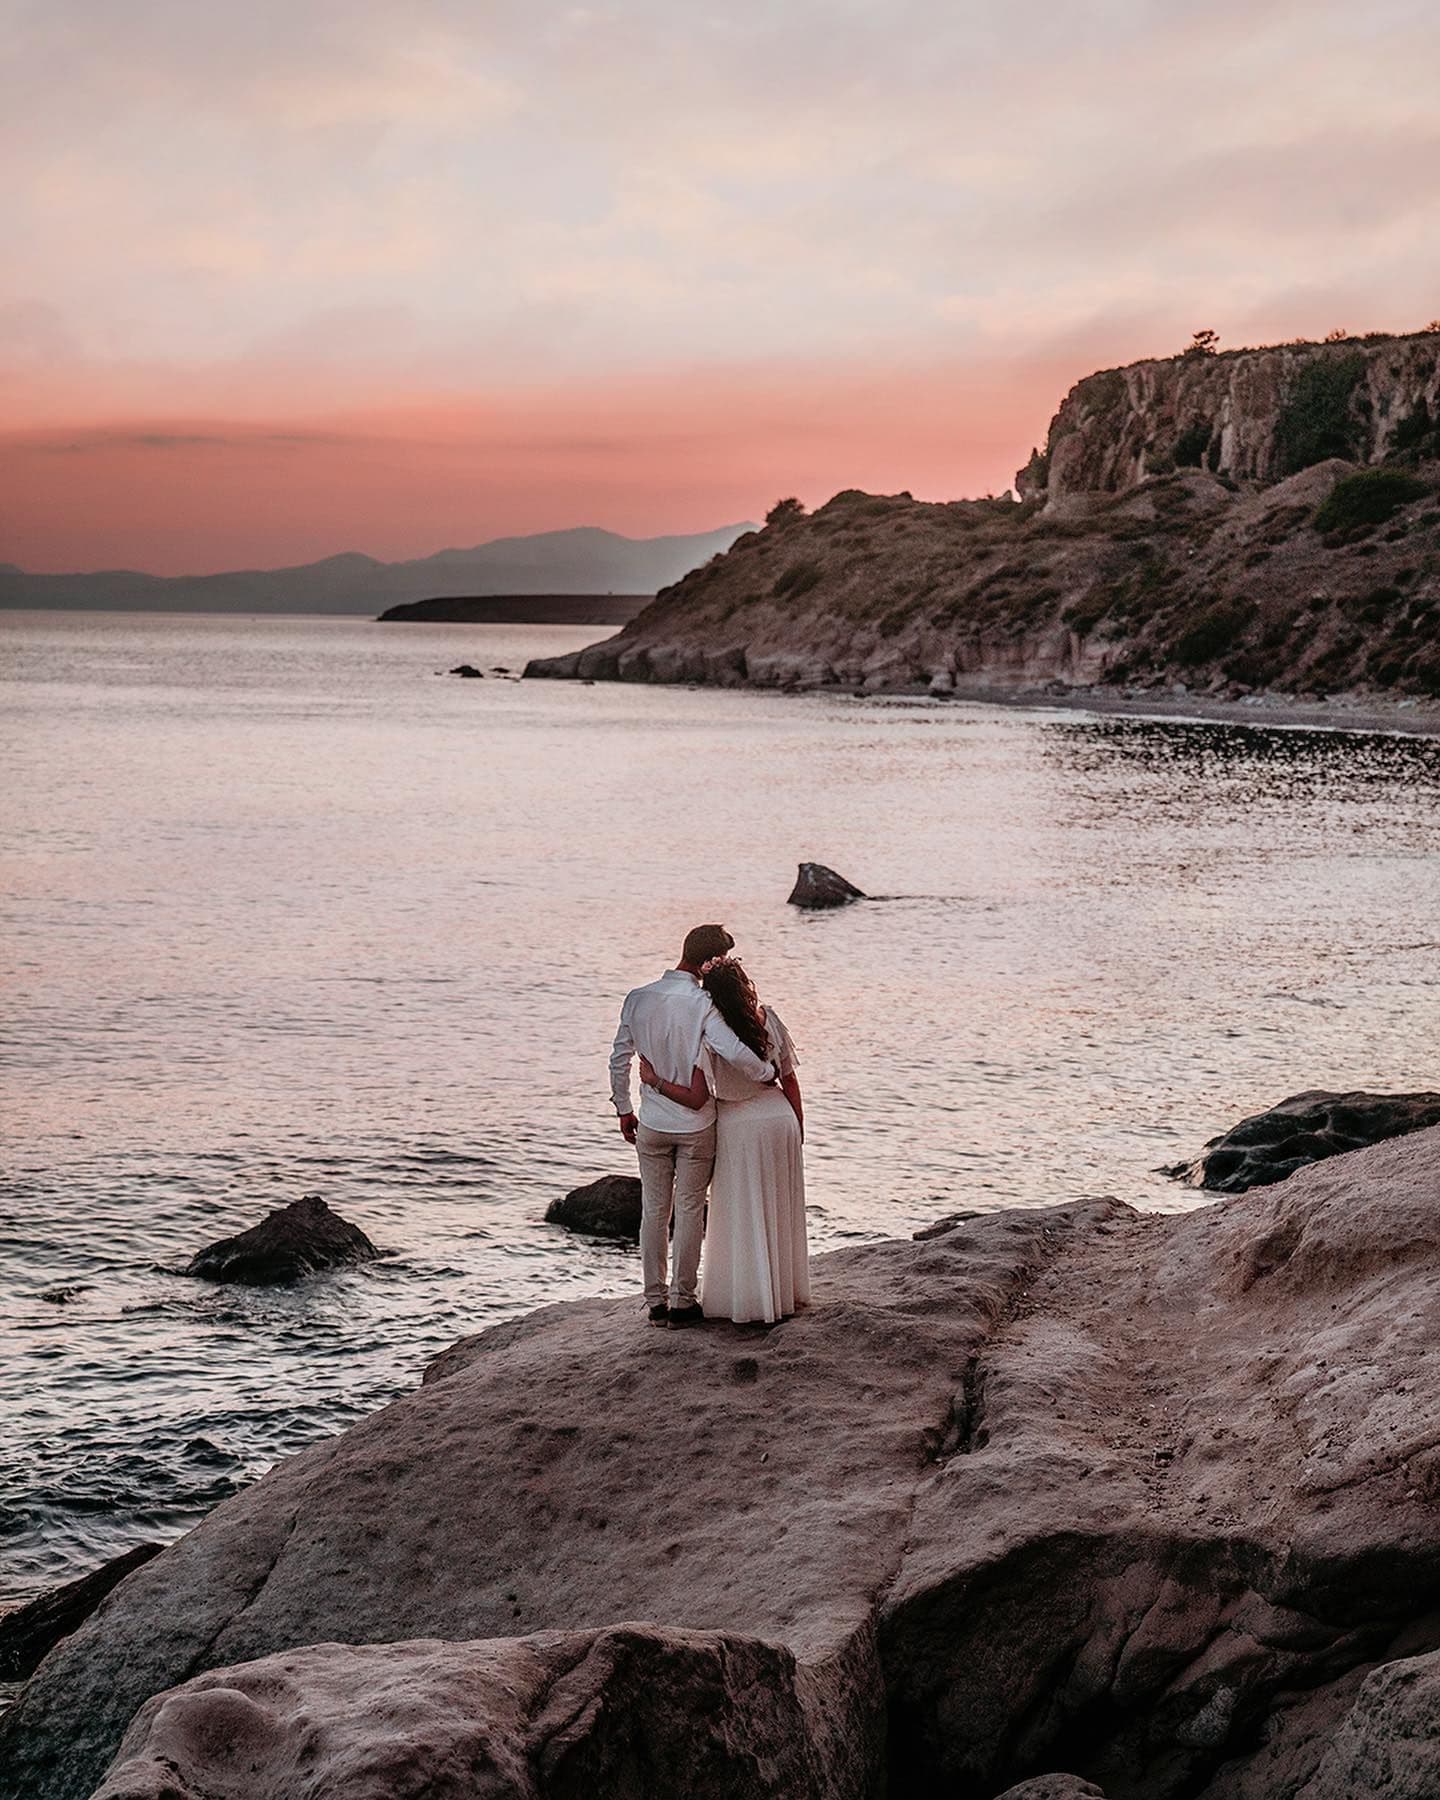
[1204,343]
[785,512]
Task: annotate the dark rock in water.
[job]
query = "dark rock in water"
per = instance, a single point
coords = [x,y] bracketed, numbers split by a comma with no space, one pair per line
[1270,1145]
[816,887]
[29,1632]
[469,671]
[941,1226]
[609,1208]
[290,1242]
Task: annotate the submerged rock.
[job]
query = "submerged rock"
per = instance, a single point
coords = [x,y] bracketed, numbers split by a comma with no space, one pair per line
[291,1242]
[816,887]
[469,671]
[29,1632]
[608,1208]
[1270,1145]
[1151,1498]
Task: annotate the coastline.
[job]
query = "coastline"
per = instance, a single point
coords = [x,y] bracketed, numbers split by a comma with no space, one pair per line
[1361,713]
[1419,718]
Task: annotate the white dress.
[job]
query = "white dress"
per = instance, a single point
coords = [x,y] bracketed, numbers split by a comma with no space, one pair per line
[756,1260]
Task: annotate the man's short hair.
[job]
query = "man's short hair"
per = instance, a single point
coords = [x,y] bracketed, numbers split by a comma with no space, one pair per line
[704,942]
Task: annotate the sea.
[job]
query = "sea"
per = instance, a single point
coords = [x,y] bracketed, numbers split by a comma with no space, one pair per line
[289,909]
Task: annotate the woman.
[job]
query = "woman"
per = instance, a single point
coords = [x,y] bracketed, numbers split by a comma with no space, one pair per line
[756,1261]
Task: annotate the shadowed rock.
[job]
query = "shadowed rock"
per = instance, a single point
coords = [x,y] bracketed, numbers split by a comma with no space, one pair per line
[291,1242]
[608,1208]
[1151,1498]
[469,671]
[30,1631]
[1054,1787]
[817,887]
[1270,1145]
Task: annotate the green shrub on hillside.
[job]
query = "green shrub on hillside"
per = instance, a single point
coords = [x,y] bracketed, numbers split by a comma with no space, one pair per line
[1191,445]
[1369,497]
[798,579]
[1101,391]
[1315,421]
[1213,632]
[785,512]
[1417,434]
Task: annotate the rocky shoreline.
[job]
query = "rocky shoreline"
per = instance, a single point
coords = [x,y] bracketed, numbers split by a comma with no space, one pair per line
[1151,1500]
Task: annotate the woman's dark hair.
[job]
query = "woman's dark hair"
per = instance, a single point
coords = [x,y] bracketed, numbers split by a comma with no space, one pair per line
[738,1004]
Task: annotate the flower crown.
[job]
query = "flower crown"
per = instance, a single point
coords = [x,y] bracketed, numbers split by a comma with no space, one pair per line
[719,962]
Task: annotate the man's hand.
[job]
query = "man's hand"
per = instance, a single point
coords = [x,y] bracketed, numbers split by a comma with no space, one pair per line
[628,1125]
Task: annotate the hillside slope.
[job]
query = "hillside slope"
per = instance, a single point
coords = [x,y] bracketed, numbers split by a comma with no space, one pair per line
[1327,582]
[1256,519]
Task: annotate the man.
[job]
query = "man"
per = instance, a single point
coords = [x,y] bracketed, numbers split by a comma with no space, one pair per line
[668,1022]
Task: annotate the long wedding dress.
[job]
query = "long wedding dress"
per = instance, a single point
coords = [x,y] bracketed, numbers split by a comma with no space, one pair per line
[756,1260]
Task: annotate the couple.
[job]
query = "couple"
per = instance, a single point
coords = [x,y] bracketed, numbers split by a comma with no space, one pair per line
[720,1109]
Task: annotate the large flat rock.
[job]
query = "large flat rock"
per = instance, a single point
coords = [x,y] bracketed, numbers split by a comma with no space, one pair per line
[1154,1500]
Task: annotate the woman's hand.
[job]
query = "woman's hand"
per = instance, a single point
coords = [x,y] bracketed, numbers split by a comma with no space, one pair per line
[647,1073]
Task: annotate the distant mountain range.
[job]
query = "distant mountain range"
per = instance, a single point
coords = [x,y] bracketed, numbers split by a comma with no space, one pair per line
[585,560]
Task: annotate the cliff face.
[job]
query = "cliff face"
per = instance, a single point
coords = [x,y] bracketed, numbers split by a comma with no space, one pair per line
[1252,415]
[1328,582]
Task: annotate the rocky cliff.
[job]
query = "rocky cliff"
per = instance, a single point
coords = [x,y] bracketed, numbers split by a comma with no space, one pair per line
[1151,1499]
[1266,520]
[1251,415]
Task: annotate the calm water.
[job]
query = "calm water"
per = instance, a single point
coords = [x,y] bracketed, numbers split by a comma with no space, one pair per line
[285,912]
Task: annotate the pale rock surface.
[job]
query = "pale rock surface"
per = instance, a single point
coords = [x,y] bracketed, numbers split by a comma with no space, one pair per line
[1390,1741]
[1152,1499]
[565,1716]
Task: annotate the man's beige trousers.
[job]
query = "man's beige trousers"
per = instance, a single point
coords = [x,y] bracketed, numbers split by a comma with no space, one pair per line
[675,1169]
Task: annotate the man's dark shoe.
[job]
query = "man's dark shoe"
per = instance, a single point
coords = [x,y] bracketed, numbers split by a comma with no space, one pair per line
[659,1315]
[686,1315]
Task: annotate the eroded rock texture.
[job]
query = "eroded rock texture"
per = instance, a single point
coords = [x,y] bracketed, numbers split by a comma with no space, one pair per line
[291,1242]
[1154,1500]
[1253,415]
[616,1712]
[1307,1127]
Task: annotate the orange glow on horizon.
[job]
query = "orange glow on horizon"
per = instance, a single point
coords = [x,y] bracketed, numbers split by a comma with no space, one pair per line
[644,456]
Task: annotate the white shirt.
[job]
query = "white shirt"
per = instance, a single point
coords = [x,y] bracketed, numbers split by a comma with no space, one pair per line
[668,1022]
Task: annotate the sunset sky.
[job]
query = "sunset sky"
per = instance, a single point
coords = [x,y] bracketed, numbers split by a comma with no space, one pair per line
[287,279]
